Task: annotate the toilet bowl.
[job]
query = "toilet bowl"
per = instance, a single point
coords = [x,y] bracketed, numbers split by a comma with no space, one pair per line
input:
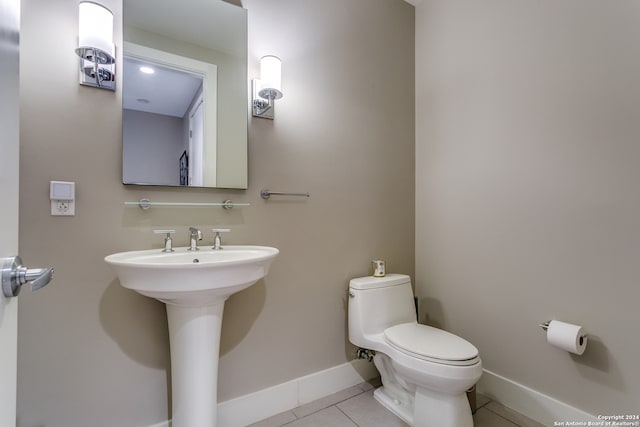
[425,371]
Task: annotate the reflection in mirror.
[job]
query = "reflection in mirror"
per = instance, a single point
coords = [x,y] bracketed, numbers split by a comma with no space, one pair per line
[185,123]
[165,101]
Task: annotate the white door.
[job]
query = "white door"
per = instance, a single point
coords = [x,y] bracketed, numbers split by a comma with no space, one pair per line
[9,142]
[196,145]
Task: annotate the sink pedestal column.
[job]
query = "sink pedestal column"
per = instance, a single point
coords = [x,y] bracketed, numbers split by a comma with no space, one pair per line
[194,335]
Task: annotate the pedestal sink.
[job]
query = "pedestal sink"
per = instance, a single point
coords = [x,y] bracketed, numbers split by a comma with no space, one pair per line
[194,286]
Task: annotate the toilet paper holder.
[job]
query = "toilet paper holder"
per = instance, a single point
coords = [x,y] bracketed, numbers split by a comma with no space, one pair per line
[545,326]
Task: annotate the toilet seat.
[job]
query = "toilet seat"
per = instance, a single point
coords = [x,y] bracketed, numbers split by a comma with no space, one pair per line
[431,344]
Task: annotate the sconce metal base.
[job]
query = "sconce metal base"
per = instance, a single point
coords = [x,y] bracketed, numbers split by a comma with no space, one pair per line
[260,107]
[97,74]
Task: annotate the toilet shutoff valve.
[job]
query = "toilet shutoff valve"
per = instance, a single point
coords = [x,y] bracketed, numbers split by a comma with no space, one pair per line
[363,353]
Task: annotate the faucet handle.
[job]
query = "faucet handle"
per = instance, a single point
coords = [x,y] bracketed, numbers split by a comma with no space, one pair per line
[217,241]
[221,230]
[167,232]
[167,239]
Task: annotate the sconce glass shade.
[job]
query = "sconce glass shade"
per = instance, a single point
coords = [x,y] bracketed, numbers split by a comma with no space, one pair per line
[268,88]
[95,33]
[270,77]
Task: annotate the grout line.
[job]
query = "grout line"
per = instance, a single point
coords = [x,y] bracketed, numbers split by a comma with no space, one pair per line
[291,422]
[484,404]
[346,415]
[322,409]
[502,416]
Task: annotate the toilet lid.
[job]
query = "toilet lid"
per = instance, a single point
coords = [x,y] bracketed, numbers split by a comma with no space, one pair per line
[431,343]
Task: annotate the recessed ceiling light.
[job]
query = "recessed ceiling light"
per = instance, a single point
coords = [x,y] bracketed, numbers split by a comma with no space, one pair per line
[147,70]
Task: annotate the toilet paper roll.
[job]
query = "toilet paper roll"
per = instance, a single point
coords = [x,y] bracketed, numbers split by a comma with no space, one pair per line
[566,336]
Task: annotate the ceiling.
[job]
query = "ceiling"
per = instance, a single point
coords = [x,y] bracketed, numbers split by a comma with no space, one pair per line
[167,91]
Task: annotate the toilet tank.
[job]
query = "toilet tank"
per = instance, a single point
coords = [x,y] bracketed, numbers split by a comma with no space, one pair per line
[377,303]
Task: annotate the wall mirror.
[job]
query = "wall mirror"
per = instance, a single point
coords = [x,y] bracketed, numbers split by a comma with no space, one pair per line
[184,93]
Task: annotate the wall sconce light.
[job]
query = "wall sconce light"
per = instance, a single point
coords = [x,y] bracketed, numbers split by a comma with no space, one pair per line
[268,88]
[95,46]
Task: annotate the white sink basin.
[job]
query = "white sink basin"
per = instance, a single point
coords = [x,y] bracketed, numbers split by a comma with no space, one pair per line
[192,278]
[194,285]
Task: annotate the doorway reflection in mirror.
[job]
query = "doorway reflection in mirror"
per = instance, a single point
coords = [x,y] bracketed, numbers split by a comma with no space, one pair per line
[163,125]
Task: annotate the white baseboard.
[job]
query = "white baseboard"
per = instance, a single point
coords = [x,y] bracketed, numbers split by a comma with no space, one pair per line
[253,407]
[535,405]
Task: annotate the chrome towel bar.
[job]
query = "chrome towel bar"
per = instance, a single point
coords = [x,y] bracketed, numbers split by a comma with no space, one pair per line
[265,194]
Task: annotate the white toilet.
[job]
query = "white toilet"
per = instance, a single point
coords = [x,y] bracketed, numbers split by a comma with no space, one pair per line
[425,371]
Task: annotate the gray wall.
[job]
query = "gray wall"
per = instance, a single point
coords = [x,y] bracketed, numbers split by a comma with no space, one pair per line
[93,353]
[527,201]
[153,148]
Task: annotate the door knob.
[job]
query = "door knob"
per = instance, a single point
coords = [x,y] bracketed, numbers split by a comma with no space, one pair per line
[14,275]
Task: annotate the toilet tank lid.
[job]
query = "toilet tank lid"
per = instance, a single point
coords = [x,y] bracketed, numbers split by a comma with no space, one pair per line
[371,282]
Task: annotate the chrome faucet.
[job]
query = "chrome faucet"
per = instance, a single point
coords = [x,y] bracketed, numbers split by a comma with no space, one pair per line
[217,240]
[194,236]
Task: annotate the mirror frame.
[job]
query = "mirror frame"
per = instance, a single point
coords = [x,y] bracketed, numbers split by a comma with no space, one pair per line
[231,152]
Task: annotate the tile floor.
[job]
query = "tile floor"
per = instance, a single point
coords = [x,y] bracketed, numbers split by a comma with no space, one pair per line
[356,407]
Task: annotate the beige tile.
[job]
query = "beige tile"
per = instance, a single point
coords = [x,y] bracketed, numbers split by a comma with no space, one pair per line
[276,420]
[325,402]
[512,415]
[486,418]
[365,411]
[481,400]
[329,417]
[366,386]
